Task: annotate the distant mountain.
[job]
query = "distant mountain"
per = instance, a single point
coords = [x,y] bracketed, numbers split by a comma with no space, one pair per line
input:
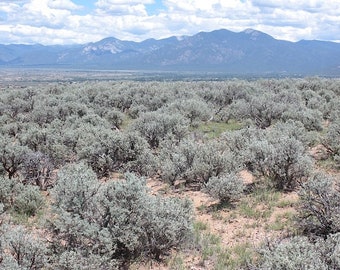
[246,52]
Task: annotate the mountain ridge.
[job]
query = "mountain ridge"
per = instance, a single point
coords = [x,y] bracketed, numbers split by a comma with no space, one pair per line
[248,51]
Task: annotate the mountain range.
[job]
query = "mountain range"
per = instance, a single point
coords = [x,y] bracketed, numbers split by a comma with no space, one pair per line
[246,52]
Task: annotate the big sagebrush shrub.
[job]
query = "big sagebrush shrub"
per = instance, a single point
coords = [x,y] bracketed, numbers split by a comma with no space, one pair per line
[225,188]
[292,254]
[300,252]
[7,187]
[141,224]
[156,126]
[118,220]
[21,250]
[319,211]
[331,140]
[281,159]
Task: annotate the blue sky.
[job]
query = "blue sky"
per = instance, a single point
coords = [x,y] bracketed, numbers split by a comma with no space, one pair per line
[80,21]
[152,9]
[155,8]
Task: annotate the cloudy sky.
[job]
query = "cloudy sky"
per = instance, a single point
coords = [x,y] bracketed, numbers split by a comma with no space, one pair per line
[80,21]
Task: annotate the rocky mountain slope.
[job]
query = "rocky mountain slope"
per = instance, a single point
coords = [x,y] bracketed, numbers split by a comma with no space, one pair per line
[246,52]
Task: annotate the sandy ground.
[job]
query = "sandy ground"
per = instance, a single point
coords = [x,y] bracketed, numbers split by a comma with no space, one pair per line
[232,227]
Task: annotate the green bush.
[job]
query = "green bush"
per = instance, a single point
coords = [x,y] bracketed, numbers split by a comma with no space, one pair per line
[28,200]
[141,224]
[118,221]
[37,170]
[331,140]
[292,254]
[319,209]
[75,260]
[226,188]
[282,159]
[19,249]
[75,226]
[194,109]
[213,160]
[301,253]
[11,156]
[75,189]
[7,187]
[177,161]
[157,126]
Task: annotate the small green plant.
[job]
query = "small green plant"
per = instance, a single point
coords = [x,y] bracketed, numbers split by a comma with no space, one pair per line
[176,262]
[215,129]
[282,222]
[28,201]
[223,261]
[286,203]
[265,195]
[244,253]
[202,208]
[249,210]
[200,226]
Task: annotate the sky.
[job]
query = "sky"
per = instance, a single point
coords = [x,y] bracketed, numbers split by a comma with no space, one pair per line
[81,21]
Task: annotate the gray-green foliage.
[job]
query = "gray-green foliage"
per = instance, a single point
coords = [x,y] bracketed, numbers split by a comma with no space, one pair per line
[114,117]
[75,189]
[157,126]
[195,162]
[213,159]
[319,211]
[278,153]
[294,129]
[239,141]
[311,119]
[136,156]
[37,170]
[75,260]
[107,151]
[330,249]
[28,200]
[193,109]
[177,161]
[74,203]
[7,191]
[282,159]
[331,140]
[11,156]
[118,221]
[99,148]
[64,123]
[22,199]
[264,109]
[293,254]
[19,249]
[226,187]
[141,224]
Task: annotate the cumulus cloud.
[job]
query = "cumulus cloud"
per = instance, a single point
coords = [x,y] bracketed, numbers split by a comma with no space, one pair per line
[63,21]
[63,4]
[120,7]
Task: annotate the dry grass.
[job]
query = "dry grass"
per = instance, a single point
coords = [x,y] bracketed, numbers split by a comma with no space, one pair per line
[226,237]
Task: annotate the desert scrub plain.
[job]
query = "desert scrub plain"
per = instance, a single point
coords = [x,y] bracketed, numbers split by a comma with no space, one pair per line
[122,174]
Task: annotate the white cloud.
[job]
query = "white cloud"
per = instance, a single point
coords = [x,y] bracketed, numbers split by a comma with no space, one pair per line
[61,21]
[8,7]
[63,4]
[121,7]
